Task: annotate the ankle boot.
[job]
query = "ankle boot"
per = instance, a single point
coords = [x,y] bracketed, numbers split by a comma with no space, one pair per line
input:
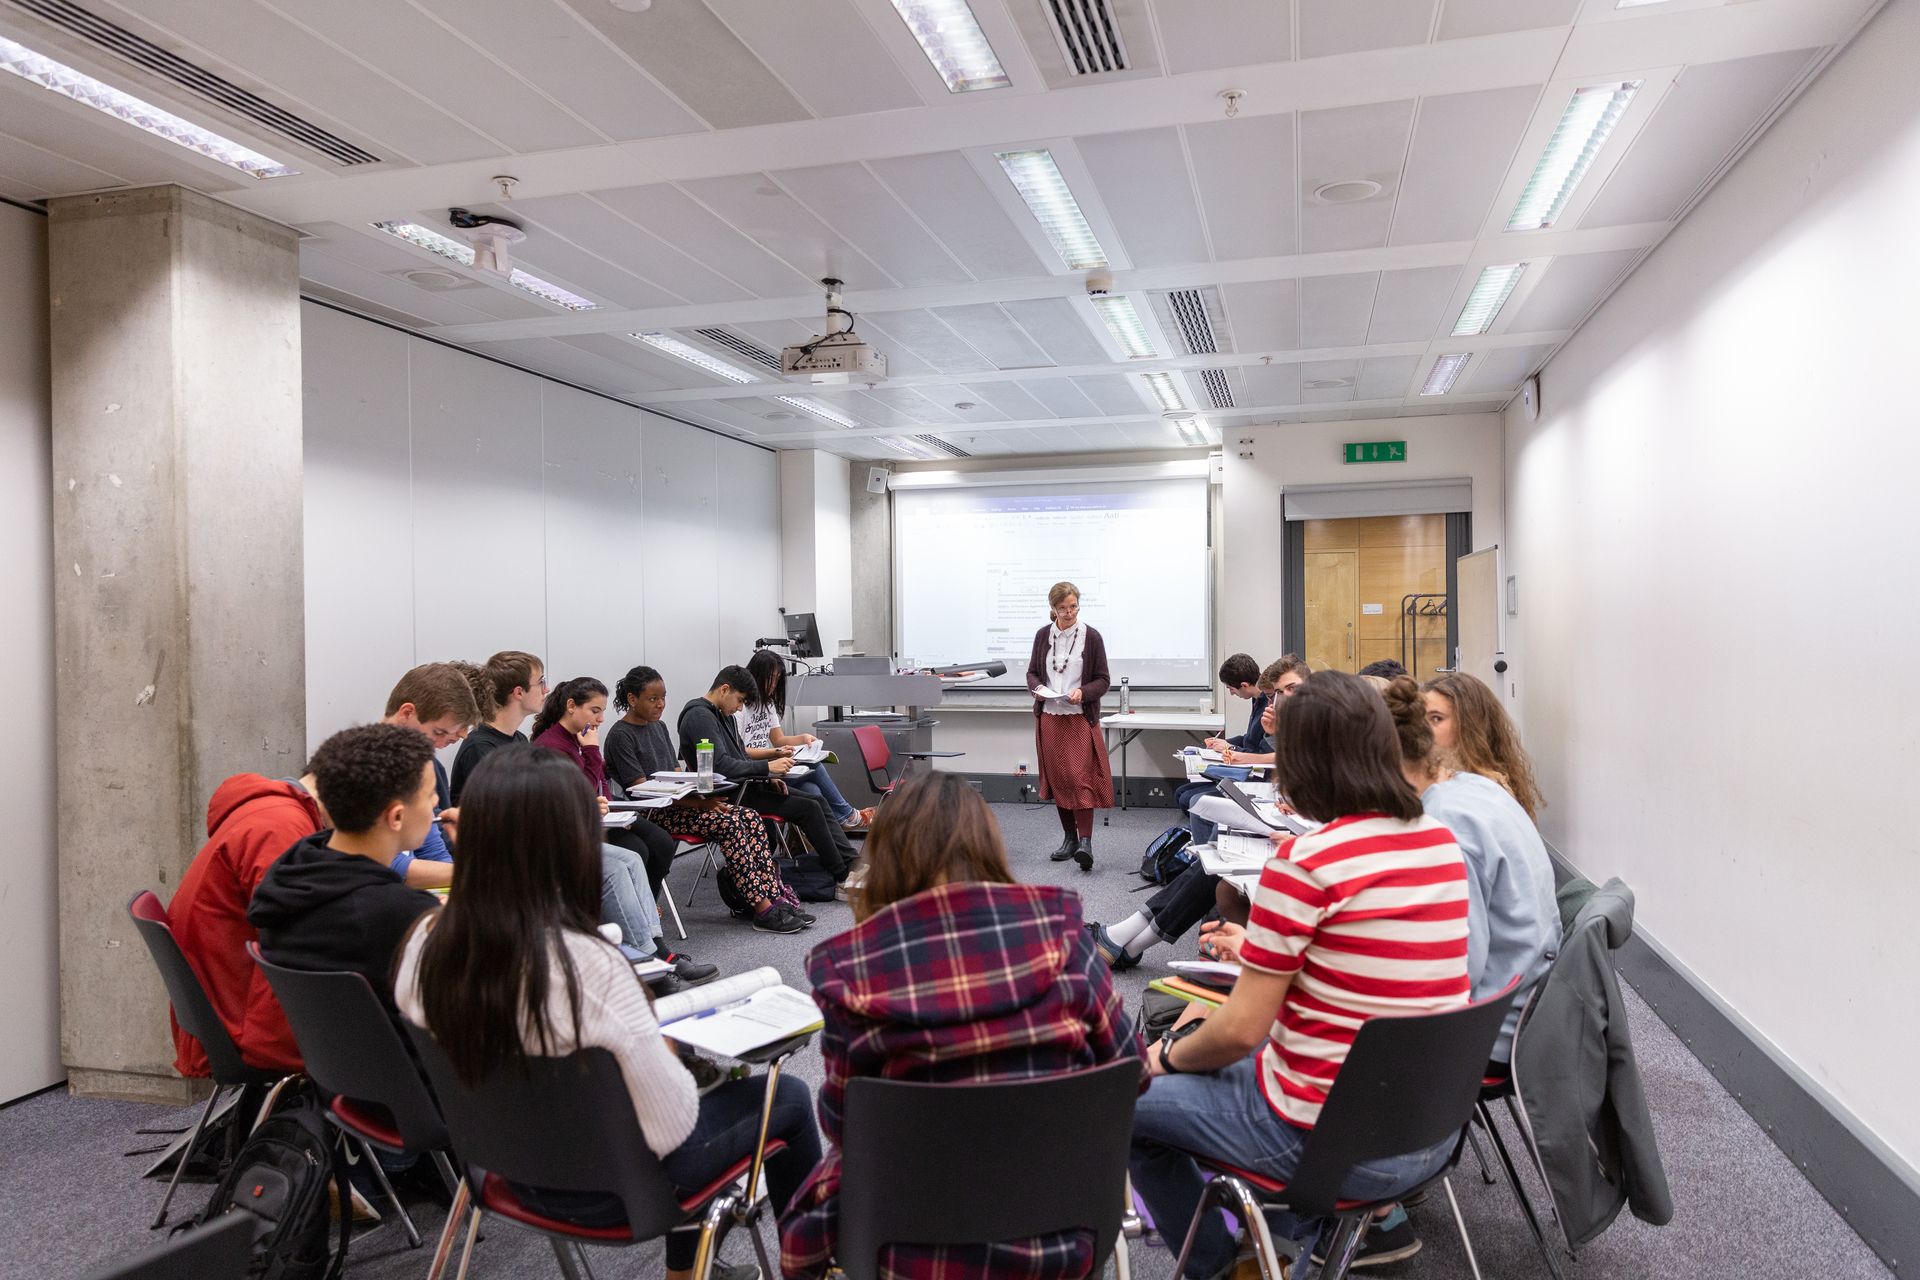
[1083,853]
[1068,845]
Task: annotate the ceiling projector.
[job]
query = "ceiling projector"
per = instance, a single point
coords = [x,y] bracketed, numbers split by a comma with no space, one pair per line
[837,356]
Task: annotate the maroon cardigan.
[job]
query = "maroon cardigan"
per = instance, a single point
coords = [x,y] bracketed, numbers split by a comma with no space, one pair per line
[1094,676]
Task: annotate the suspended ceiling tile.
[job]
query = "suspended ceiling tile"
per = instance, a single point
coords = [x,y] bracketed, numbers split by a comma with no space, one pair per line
[1113,393]
[1008,398]
[922,333]
[1411,305]
[682,222]
[1328,381]
[350,283]
[1351,144]
[502,301]
[662,371]
[83,136]
[1569,287]
[1058,328]
[848,198]
[918,404]
[1385,377]
[605,233]
[419,53]
[1205,35]
[1142,180]
[1502,368]
[825,52]
[1265,315]
[285,63]
[1334,310]
[987,329]
[35,172]
[1463,145]
[761,210]
[1462,18]
[569,62]
[946,194]
[1248,189]
[1061,398]
[1329,27]
[686,47]
[1709,109]
[981,410]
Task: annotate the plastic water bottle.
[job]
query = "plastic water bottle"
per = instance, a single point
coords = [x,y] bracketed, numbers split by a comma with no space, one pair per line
[1126,697]
[704,753]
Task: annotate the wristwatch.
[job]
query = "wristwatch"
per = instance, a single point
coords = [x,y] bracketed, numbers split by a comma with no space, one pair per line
[1166,1059]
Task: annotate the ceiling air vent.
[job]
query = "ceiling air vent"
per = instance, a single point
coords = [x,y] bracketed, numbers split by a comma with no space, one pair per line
[1190,313]
[1089,35]
[1218,390]
[740,346]
[943,446]
[196,80]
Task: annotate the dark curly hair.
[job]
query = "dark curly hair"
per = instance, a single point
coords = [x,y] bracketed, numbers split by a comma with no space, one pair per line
[358,772]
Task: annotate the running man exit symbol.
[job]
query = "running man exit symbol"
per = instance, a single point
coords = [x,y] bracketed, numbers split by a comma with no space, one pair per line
[1377,451]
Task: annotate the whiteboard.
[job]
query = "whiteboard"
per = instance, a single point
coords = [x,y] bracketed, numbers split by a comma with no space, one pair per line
[972,567]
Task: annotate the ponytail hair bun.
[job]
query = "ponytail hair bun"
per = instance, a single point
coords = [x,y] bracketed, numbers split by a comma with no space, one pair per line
[1409,709]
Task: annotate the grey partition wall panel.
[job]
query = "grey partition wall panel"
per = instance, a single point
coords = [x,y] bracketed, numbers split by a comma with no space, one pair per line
[685,576]
[595,537]
[479,554]
[747,541]
[359,556]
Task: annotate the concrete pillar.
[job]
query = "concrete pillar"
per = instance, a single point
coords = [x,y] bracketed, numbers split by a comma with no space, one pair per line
[870,522]
[178,607]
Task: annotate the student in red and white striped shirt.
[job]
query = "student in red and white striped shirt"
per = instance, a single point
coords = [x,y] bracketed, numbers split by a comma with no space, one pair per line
[1366,916]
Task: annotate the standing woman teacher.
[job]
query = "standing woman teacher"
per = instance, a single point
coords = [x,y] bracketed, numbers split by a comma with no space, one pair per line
[1070,659]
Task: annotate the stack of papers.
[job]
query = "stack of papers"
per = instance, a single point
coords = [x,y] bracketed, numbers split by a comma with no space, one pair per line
[649,801]
[618,818]
[667,786]
[814,752]
[739,1014]
[1234,854]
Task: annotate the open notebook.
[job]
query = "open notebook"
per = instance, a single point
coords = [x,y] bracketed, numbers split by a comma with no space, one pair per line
[739,1014]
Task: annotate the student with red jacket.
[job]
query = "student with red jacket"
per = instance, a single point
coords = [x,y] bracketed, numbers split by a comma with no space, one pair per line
[251,821]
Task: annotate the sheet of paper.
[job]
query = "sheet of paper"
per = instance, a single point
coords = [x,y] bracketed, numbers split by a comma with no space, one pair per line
[619,818]
[643,802]
[1206,968]
[810,753]
[766,1017]
[1232,854]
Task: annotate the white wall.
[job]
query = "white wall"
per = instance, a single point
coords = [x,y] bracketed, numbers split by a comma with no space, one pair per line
[816,535]
[456,507]
[1712,527]
[29,903]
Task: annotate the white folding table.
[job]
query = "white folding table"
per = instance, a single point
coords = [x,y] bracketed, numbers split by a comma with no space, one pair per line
[1197,724]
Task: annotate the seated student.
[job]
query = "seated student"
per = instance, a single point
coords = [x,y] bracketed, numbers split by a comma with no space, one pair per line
[709,718]
[953,972]
[1187,899]
[251,821]
[511,968]
[441,701]
[634,860]
[333,901]
[1384,669]
[517,683]
[1364,917]
[1280,678]
[638,746]
[759,722]
[1473,730]
[1241,675]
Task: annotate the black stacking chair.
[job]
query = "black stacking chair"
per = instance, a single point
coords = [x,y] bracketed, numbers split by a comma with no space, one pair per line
[1041,1156]
[567,1124]
[194,1012]
[354,1052]
[1407,1084]
[217,1251]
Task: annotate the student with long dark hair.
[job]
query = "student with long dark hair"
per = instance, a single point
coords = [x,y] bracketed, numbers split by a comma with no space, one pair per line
[759,723]
[1366,916]
[953,972]
[512,968]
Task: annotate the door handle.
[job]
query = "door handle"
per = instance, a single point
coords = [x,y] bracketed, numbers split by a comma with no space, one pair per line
[1349,640]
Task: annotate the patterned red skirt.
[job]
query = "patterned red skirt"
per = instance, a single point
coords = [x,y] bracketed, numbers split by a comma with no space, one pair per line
[1074,772]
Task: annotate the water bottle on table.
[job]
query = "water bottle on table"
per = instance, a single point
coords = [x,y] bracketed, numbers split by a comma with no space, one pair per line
[1126,698]
[704,755]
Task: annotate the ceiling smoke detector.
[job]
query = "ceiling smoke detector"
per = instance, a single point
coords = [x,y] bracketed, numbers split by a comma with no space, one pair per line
[435,280]
[1180,415]
[1351,191]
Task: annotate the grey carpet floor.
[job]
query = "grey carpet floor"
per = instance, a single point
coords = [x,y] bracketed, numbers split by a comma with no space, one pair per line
[71,1200]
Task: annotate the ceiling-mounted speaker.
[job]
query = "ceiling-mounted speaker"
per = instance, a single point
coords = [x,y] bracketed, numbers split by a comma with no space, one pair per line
[1530,398]
[876,479]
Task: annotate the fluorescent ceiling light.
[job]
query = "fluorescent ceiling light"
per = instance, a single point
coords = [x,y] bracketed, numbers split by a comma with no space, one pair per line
[1124,323]
[1583,129]
[1164,390]
[1194,431]
[103,97]
[1037,179]
[912,448]
[693,355]
[1490,293]
[1445,371]
[818,410]
[459,251]
[954,43]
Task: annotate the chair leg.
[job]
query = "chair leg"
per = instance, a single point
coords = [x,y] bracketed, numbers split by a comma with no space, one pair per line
[443,1248]
[1254,1220]
[1344,1245]
[271,1100]
[755,1216]
[1460,1225]
[706,861]
[1473,1140]
[186,1153]
[1526,1202]
[386,1189]
[666,896]
[447,1176]
[1130,1229]
[1525,1129]
[586,1266]
[473,1235]
[563,1254]
[713,1228]
[1208,1194]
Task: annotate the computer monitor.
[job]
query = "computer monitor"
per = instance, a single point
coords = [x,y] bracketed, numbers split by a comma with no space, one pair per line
[803,637]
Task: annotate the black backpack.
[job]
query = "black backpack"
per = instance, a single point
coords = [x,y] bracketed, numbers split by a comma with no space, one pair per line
[1167,856]
[809,881]
[280,1178]
[736,901]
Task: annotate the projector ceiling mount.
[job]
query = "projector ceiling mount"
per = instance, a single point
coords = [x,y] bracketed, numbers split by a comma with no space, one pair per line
[838,355]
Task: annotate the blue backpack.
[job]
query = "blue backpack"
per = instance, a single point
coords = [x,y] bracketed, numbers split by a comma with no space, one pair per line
[1167,856]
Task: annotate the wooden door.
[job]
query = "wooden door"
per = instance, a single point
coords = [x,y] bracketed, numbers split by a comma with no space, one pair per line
[1333,610]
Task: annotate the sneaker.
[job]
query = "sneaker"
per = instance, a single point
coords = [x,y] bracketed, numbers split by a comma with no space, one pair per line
[860,821]
[1112,952]
[842,894]
[779,918]
[1388,1239]
[690,971]
[857,875]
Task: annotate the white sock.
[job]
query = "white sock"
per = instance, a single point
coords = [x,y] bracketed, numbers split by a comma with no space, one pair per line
[1149,937]
[1130,928]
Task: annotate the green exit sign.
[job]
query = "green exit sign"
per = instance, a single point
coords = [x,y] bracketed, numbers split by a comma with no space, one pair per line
[1377,451]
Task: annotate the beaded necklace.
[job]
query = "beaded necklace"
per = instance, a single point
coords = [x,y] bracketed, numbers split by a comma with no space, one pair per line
[1056,661]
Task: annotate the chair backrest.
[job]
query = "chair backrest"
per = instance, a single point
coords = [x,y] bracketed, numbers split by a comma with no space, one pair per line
[874,753]
[1407,1083]
[565,1124]
[191,1007]
[351,1047]
[218,1250]
[1038,1156]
